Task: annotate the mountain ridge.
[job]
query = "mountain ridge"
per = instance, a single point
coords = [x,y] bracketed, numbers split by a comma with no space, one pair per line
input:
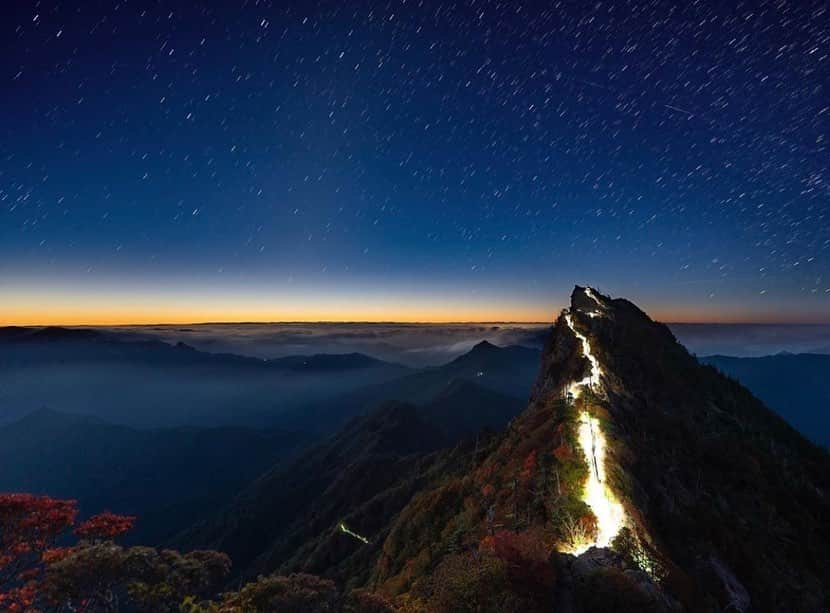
[689,455]
[508,371]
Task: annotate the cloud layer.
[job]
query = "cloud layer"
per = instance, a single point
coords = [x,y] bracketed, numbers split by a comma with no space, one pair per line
[410,344]
[422,345]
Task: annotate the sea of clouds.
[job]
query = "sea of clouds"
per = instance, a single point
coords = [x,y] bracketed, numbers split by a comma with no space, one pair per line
[431,344]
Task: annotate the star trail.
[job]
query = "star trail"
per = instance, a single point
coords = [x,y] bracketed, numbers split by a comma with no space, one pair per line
[413,161]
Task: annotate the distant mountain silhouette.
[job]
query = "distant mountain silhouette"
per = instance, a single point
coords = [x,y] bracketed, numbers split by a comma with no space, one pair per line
[159,384]
[23,334]
[23,346]
[795,385]
[168,478]
[508,371]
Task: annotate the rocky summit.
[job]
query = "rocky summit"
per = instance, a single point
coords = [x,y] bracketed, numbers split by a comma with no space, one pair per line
[637,479]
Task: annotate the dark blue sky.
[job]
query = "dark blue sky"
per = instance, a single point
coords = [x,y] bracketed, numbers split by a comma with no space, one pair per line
[413,160]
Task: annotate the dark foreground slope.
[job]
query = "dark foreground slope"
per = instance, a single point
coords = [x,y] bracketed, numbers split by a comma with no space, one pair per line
[726,505]
[289,519]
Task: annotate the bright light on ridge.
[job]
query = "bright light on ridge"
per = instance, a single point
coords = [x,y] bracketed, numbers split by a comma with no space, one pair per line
[608,511]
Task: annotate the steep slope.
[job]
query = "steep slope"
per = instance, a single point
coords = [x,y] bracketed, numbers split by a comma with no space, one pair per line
[795,385]
[673,486]
[167,478]
[509,371]
[290,505]
[462,408]
[290,518]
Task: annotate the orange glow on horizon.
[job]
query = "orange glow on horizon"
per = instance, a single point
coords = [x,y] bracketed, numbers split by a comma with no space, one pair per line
[43,315]
[162,318]
[330,311]
[35,307]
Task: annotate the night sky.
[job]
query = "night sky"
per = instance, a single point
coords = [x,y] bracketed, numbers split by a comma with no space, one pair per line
[413,160]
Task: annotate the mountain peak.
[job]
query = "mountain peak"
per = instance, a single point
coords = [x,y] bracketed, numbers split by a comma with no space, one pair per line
[642,470]
[588,300]
[484,346]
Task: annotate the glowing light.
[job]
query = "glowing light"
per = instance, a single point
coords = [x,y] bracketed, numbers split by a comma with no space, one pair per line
[592,380]
[355,535]
[608,511]
[590,293]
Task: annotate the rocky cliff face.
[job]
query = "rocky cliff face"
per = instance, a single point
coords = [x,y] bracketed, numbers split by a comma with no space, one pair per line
[733,498]
[636,478]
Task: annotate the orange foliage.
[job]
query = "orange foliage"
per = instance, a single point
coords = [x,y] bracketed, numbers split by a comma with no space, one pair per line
[487,545]
[563,452]
[527,557]
[529,466]
[29,527]
[56,554]
[105,526]
[589,523]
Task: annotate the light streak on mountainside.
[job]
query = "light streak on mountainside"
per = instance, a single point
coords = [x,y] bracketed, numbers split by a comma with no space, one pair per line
[608,511]
[591,380]
[590,293]
[342,527]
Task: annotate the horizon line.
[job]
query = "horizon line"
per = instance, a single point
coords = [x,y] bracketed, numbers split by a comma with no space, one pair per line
[387,322]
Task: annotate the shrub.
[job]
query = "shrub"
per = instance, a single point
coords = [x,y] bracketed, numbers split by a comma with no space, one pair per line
[296,593]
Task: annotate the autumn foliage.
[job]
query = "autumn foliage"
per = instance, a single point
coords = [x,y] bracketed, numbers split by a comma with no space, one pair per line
[42,569]
[105,526]
[94,574]
[29,527]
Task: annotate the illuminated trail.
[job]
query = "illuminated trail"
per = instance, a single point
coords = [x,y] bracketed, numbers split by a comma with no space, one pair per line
[608,511]
[355,535]
[590,293]
[591,380]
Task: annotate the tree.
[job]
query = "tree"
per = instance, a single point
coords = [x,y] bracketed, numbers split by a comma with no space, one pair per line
[527,555]
[296,593]
[106,576]
[29,527]
[94,574]
[468,583]
[105,526]
[364,601]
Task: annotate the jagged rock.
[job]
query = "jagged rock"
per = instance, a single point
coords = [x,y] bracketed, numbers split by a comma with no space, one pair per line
[594,559]
[576,574]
